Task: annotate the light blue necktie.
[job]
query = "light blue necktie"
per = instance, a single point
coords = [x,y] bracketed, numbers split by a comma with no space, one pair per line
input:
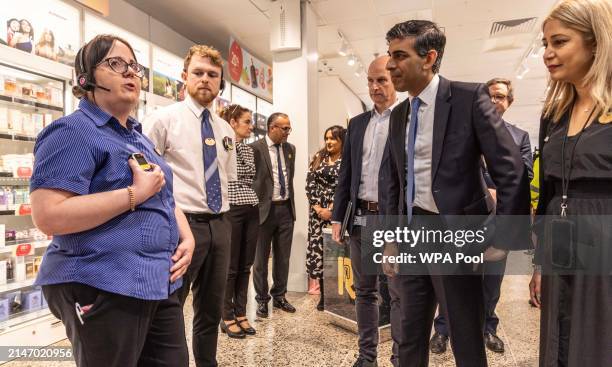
[411,137]
[211,165]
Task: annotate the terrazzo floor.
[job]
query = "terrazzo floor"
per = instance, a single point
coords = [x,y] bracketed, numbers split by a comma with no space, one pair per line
[307,339]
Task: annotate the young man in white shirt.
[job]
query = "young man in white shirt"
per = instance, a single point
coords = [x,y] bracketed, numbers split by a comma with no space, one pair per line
[199,146]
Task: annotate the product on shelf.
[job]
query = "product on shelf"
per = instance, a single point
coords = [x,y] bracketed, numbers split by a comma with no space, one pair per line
[31,299]
[4,119]
[20,164]
[14,299]
[20,269]
[2,226]
[10,85]
[3,279]
[4,308]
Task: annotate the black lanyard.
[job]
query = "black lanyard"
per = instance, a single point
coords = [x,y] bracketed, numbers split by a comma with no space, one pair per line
[565,180]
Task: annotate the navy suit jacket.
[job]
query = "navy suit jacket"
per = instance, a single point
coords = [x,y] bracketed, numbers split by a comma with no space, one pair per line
[349,177]
[521,138]
[466,128]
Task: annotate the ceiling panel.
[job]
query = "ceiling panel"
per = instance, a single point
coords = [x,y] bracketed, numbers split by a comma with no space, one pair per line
[384,7]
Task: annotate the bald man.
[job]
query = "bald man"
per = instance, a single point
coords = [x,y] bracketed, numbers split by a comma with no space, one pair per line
[358,184]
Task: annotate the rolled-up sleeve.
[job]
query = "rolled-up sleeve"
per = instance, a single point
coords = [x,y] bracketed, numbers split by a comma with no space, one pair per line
[63,159]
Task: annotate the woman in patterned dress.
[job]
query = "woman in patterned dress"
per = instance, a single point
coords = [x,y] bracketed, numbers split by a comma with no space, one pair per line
[321,184]
[244,216]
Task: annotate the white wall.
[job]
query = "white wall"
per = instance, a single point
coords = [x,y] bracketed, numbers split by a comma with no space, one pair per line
[337,104]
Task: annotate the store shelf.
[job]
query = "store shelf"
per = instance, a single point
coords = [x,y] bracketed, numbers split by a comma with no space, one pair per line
[17,137]
[28,103]
[16,285]
[9,246]
[24,317]
[12,213]
[14,181]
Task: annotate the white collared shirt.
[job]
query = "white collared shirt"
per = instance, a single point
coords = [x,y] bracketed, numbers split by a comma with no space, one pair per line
[276,196]
[176,131]
[374,141]
[423,197]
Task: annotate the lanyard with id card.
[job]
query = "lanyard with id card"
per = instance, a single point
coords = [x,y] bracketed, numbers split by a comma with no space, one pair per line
[562,229]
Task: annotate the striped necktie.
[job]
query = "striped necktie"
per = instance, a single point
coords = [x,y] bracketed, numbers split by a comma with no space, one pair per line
[211,165]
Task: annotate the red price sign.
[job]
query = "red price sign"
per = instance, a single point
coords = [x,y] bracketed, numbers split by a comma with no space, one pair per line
[24,172]
[24,249]
[24,209]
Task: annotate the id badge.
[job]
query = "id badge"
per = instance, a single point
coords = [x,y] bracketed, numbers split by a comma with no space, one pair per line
[563,243]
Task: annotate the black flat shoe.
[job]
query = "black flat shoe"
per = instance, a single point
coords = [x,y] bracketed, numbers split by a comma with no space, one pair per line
[225,329]
[283,305]
[262,309]
[248,330]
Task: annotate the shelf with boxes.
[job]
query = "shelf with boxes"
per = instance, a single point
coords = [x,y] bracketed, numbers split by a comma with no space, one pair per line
[28,103]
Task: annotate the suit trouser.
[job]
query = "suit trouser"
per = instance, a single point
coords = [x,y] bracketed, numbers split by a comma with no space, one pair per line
[207,278]
[491,287]
[120,331]
[366,303]
[461,300]
[275,234]
[245,228]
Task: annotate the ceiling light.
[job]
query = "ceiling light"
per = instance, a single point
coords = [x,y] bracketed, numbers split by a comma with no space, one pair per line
[521,71]
[351,60]
[343,51]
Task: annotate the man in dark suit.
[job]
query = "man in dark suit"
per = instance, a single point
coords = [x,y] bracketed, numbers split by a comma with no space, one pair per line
[502,96]
[273,183]
[432,167]
[358,184]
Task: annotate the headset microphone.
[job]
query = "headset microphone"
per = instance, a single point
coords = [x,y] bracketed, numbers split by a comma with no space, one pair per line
[85,80]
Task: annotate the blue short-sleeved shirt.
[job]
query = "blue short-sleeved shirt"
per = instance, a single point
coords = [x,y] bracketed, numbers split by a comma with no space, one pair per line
[87,152]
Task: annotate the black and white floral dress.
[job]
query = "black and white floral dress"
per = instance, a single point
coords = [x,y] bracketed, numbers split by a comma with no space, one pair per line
[320,187]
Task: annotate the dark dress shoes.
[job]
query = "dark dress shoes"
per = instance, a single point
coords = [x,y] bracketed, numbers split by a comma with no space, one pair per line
[438,343]
[262,309]
[362,362]
[494,343]
[225,328]
[282,303]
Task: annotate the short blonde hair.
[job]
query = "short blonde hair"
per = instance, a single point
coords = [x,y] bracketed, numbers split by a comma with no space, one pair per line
[204,51]
[593,19]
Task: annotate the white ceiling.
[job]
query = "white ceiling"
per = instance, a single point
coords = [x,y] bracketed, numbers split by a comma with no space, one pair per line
[466,23]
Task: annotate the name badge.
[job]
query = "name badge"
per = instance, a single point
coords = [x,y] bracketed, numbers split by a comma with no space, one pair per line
[209,141]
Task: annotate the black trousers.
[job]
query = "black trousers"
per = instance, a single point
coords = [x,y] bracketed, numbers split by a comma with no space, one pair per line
[207,278]
[275,234]
[366,303]
[120,331]
[491,288]
[244,220]
[462,303]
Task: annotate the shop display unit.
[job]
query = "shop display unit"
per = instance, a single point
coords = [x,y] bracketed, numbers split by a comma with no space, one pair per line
[29,101]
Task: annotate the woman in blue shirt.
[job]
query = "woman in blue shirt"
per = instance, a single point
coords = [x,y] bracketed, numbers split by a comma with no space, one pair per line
[120,244]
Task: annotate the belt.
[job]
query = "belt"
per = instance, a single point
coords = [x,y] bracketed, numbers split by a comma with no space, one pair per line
[420,211]
[368,206]
[280,202]
[202,217]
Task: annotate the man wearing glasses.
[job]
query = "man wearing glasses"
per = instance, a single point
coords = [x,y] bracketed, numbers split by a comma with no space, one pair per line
[199,146]
[502,96]
[275,165]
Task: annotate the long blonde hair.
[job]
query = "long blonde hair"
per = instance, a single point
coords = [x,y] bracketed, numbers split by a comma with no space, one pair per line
[593,19]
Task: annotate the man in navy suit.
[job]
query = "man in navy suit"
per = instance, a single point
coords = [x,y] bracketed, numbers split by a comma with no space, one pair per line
[502,96]
[432,167]
[358,183]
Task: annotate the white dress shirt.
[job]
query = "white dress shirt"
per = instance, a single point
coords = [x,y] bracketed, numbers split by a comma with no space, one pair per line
[374,141]
[423,197]
[176,131]
[276,196]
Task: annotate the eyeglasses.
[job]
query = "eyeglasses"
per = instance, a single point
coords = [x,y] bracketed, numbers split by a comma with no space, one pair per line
[286,129]
[119,65]
[498,98]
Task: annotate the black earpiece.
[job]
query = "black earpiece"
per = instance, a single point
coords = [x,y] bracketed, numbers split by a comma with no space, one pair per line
[222,85]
